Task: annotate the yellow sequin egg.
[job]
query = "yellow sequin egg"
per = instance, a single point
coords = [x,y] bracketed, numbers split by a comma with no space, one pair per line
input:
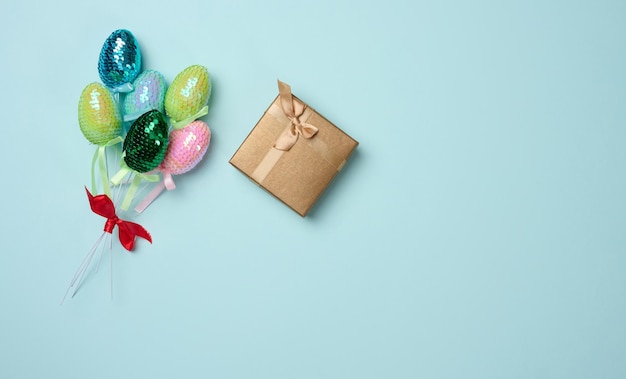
[98,114]
[189,93]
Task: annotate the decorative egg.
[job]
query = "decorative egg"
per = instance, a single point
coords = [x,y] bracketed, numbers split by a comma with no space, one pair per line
[186,148]
[98,116]
[146,142]
[148,93]
[189,93]
[120,60]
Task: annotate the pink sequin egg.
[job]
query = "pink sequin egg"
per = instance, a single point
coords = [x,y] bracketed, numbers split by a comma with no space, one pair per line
[186,148]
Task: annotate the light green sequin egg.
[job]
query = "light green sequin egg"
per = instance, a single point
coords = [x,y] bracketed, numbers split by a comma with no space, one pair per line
[188,93]
[98,114]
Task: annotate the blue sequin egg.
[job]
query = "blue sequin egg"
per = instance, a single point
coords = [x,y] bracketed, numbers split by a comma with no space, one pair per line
[120,61]
[148,93]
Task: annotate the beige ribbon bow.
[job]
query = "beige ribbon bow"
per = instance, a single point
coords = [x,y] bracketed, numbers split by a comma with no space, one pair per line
[293,109]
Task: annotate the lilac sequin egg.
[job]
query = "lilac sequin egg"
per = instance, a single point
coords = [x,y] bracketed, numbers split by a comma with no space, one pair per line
[186,148]
[148,93]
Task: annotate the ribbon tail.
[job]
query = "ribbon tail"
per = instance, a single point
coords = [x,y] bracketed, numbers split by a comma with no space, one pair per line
[168,181]
[99,157]
[181,124]
[104,175]
[93,170]
[128,231]
[101,205]
[130,193]
[149,177]
[286,99]
[117,178]
[150,197]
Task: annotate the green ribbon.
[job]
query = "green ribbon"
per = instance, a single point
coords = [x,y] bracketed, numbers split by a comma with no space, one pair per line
[100,157]
[181,124]
[134,184]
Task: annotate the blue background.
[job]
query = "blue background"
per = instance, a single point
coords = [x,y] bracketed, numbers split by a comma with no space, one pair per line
[477,231]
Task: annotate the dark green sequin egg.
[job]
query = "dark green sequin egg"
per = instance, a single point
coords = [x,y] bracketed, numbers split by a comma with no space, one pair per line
[146,142]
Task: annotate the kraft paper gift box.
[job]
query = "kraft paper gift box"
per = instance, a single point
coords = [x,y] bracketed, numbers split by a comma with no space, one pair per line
[293,152]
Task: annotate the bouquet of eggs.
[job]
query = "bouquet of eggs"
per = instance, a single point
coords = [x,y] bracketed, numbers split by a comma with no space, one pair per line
[144,132]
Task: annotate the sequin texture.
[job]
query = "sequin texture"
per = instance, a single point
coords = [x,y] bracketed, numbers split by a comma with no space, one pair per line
[120,59]
[146,142]
[189,92]
[186,148]
[148,93]
[98,115]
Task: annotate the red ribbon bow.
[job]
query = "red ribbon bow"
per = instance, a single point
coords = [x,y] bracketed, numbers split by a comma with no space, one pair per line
[103,206]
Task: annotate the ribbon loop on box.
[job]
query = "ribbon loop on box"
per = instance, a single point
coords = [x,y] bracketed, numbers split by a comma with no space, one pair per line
[128,231]
[293,109]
